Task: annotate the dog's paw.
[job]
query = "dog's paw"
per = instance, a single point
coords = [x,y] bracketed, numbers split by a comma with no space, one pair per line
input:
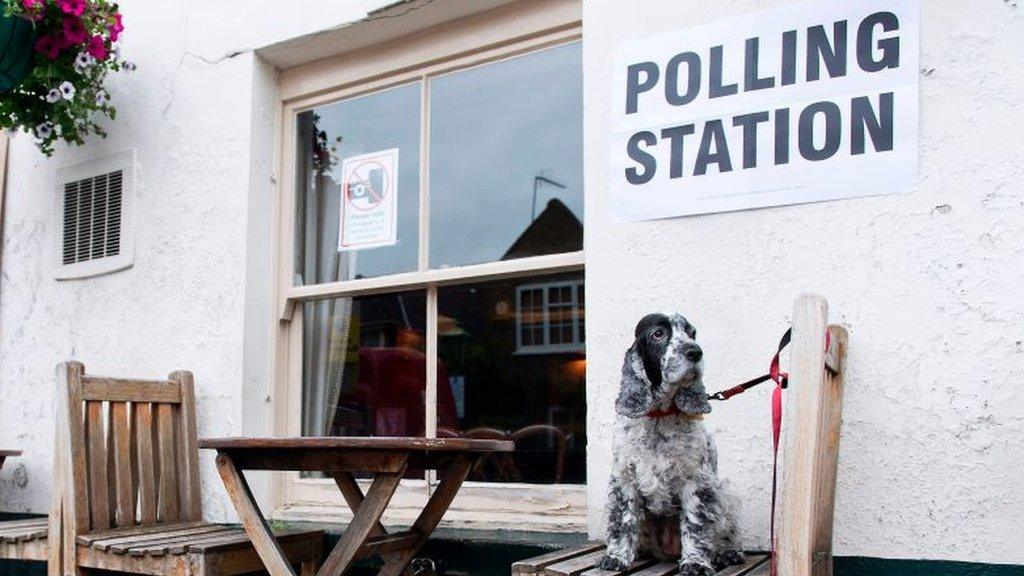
[690,568]
[728,558]
[612,563]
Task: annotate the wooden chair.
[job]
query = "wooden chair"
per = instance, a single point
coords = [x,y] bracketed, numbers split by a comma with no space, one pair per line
[130,475]
[808,457]
[22,539]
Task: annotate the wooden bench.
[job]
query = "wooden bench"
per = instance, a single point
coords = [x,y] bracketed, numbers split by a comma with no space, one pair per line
[808,455]
[22,539]
[128,464]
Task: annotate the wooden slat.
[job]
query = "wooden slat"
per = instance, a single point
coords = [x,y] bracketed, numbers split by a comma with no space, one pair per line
[283,539]
[11,524]
[189,495]
[659,569]
[123,478]
[115,390]
[574,566]
[538,563]
[99,502]
[167,492]
[631,569]
[807,458]
[167,541]
[146,470]
[230,537]
[752,561]
[94,537]
[829,452]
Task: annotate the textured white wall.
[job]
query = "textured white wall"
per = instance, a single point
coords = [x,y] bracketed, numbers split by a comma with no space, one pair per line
[929,284]
[199,112]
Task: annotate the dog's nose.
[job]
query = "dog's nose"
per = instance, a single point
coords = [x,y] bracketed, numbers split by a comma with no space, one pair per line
[694,353]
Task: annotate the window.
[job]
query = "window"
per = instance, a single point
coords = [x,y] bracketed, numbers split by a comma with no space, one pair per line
[550,317]
[464,178]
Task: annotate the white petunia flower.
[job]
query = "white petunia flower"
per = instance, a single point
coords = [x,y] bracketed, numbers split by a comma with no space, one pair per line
[83,62]
[101,98]
[67,90]
[53,96]
[44,130]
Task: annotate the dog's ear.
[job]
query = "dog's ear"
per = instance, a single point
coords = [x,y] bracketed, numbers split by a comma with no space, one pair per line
[650,358]
[693,399]
[635,396]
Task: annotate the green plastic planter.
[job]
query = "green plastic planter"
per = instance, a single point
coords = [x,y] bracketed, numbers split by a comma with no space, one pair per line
[17,50]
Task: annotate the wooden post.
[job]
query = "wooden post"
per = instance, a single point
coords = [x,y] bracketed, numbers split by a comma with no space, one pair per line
[809,446]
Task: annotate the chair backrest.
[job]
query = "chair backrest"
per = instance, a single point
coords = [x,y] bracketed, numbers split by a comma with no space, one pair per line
[132,458]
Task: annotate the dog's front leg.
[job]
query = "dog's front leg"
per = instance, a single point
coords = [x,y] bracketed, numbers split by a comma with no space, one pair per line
[624,517]
[697,526]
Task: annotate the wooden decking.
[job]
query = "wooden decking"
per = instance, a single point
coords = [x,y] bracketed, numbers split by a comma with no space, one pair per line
[23,539]
[583,560]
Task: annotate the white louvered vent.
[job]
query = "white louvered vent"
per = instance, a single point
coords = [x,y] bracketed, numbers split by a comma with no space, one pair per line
[93,207]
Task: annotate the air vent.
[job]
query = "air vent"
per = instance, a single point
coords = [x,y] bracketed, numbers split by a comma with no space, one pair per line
[92,218]
[93,205]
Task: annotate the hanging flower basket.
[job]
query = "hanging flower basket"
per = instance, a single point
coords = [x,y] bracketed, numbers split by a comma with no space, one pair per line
[55,57]
[17,50]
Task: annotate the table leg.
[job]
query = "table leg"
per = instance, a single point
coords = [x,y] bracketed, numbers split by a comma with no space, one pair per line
[365,520]
[451,480]
[354,497]
[252,519]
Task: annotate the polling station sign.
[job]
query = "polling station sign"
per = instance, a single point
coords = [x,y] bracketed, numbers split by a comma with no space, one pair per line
[369,203]
[802,103]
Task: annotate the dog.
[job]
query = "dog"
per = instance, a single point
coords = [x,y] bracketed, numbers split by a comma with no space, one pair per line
[665,498]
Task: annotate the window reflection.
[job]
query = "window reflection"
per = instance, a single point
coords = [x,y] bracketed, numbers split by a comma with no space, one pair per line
[364,366]
[516,370]
[506,153]
[329,134]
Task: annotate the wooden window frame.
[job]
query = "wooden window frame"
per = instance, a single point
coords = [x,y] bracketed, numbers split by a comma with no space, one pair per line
[512,30]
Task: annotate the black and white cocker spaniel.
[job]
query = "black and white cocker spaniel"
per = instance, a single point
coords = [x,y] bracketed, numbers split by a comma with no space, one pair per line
[665,497]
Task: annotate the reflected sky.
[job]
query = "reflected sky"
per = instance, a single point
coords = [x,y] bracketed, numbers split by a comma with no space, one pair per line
[493,129]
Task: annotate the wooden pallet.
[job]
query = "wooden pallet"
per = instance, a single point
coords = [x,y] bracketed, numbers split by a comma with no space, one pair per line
[583,560]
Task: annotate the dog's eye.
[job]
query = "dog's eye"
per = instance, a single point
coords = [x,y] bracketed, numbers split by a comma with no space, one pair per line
[658,334]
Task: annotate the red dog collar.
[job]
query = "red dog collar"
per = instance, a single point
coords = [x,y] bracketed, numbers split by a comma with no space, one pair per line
[673,410]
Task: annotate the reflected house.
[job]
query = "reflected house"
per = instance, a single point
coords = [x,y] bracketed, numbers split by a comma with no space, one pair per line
[526,339]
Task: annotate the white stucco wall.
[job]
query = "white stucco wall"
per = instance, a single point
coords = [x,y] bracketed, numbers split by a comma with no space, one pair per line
[929,284]
[200,112]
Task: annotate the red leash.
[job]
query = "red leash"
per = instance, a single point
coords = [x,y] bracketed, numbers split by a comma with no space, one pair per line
[781,380]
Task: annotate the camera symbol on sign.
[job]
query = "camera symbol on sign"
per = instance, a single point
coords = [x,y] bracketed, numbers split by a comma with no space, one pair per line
[365,187]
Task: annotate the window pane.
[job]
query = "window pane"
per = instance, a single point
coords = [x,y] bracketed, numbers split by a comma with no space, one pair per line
[329,134]
[364,368]
[491,386]
[506,166]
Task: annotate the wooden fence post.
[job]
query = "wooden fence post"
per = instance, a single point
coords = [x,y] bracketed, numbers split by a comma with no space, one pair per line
[809,446]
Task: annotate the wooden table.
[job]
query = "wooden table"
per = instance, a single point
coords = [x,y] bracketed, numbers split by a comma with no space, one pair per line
[386,458]
[5,453]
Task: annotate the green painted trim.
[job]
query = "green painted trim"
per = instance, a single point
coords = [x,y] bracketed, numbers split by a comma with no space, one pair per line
[861,566]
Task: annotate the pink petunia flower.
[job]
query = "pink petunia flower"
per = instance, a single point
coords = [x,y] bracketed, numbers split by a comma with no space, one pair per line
[31,5]
[34,9]
[116,28]
[74,31]
[97,48]
[75,7]
[48,46]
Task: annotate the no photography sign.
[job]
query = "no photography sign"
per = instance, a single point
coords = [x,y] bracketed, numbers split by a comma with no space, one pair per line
[803,103]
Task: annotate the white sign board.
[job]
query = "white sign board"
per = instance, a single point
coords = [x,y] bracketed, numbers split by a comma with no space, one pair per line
[369,203]
[802,103]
